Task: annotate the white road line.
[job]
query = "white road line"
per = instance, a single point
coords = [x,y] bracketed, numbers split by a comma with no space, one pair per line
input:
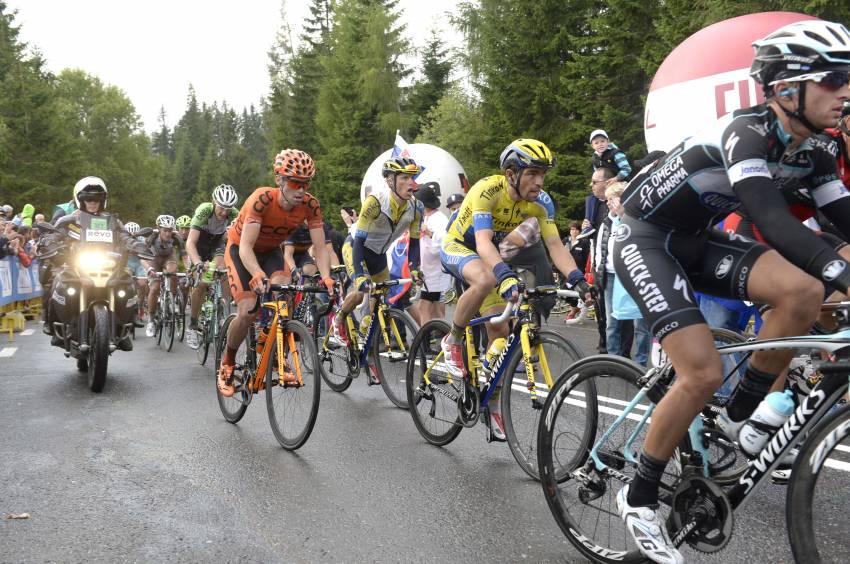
[27,332]
[7,351]
[837,464]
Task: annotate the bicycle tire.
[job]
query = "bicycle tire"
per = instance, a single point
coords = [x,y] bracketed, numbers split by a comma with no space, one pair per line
[159,324]
[168,322]
[180,315]
[818,461]
[520,416]
[232,408]
[334,363]
[558,459]
[281,399]
[392,364]
[423,403]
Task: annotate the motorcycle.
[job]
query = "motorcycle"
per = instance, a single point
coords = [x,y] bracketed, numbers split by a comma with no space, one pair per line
[93,297]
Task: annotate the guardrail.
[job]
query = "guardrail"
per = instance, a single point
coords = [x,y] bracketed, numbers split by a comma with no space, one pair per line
[20,294]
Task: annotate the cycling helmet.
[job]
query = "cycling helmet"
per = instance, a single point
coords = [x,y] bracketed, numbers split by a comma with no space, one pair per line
[225,196]
[131,227]
[294,164]
[526,153]
[165,221]
[183,221]
[403,165]
[88,189]
[454,199]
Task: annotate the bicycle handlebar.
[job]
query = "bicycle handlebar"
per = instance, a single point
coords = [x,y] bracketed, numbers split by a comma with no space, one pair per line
[288,288]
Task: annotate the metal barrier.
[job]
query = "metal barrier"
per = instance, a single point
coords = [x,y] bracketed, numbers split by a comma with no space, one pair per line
[20,294]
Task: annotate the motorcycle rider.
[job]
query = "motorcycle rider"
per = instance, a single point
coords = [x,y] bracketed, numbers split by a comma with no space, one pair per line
[90,195]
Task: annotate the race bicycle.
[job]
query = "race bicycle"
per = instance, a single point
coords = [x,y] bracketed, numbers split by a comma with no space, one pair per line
[442,405]
[278,356]
[167,311]
[343,356]
[214,309]
[596,417]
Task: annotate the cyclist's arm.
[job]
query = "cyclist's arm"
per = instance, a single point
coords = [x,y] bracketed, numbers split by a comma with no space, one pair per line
[368,213]
[485,248]
[561,257]
[320,250]
[250,233]
[192,245]
[289,255]
[794,241]
[838,212]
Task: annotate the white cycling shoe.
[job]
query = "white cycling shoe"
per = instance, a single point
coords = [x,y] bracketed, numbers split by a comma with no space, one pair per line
[193,339]
[150,329]
[649,531]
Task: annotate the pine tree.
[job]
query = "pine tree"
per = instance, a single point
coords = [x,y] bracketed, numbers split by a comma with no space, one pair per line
[426,92]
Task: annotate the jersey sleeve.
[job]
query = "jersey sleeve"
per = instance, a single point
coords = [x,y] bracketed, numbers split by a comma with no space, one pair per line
[416,224]
[202,215]
[824,183]
[256,205]
[370,211]
[481,204]
[546,216]
[743,145]
[314,214]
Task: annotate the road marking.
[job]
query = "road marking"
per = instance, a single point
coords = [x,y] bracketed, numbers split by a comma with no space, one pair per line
[27,332]
[837,464]
[7,351]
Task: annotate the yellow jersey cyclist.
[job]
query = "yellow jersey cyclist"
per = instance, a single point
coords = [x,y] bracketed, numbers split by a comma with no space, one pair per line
[666,248]
[492,209]
[385,216]
[206,242]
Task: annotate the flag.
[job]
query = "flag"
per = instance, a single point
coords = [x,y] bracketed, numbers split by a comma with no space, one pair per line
[401,149]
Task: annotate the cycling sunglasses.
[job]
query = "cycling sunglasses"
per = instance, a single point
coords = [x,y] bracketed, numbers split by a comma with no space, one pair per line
[830,80]
[293,184]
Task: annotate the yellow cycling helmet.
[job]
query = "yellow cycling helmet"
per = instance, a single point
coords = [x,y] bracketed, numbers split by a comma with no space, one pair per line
[400,165]
[526,153]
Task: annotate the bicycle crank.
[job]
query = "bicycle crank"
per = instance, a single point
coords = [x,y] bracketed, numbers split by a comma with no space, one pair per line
[701,515]
[468,405]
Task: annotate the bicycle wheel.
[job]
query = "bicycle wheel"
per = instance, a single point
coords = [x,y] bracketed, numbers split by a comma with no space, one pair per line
[520,414]
[180,315]
[159,323]
[292,398]
[233,408]
[334,360]
[168,322]
[581,498]
[392,362]
[434,413]
[818,496]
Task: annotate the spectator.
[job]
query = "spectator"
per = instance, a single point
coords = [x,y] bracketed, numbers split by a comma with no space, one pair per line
[454,202]
[579,248]
[616,323]
[608,155]
[6,212]
[39,217]
[437,281]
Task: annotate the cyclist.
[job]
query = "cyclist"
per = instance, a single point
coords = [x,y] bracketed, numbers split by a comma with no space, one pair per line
[253,255]
[167,248]
[296,250]
[492,209]
[207,239]
[384,217]
[184,222]
[666,243]
[137,269]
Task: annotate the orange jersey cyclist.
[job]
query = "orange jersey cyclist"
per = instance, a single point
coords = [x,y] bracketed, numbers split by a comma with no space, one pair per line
[253,255]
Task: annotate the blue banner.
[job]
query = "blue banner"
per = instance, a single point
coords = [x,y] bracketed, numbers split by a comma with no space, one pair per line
[18,283]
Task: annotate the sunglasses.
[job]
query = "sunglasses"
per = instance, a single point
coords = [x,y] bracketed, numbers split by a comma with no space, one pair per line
[830,80]
[293,184]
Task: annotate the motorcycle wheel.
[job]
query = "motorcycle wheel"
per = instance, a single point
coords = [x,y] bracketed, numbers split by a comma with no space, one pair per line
[98,355]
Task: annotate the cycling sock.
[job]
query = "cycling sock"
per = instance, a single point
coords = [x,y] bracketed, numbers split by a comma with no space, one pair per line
[643,491]
[753,388]
[229,357]
[457,333]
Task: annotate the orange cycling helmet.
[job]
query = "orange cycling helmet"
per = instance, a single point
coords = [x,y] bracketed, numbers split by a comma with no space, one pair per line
[294,164]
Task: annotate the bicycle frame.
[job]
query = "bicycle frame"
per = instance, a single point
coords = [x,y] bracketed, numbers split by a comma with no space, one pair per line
[280,314]
[825,394]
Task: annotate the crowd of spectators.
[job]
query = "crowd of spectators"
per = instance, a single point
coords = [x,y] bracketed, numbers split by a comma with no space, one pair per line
[17,235]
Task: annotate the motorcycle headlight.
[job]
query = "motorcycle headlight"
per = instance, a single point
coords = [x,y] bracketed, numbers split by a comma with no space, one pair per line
[94,260]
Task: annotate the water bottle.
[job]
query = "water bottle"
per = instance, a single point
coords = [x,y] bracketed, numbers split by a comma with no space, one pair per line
[769,416]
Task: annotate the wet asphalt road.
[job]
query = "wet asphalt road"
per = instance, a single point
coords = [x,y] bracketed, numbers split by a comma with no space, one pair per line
[148,471]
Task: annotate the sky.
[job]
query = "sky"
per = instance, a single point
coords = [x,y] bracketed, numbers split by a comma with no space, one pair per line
[153,50]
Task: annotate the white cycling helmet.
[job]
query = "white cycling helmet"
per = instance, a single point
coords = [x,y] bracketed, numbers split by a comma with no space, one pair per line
[88,189]
[165,221]
[225,196]
[132,227]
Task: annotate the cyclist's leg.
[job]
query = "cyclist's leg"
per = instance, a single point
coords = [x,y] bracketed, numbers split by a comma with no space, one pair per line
[171,268]
[353,297]
[218,256]
[154,285]
[465,265]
